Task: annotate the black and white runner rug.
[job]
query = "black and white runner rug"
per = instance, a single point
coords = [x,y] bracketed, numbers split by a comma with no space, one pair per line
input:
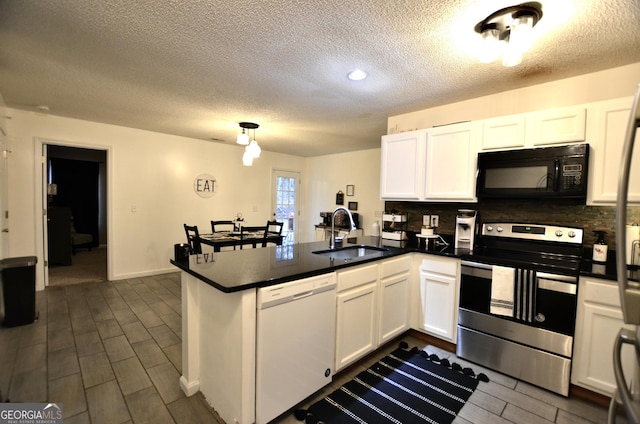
[407,386]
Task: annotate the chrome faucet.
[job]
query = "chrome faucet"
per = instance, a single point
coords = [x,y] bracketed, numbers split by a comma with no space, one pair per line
[333,221]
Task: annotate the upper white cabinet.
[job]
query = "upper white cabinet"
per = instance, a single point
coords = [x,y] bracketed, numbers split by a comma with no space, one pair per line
[535,129]
[402,165]
[503,132]
[555,126]
[438,164]
[450,173]
[607,126]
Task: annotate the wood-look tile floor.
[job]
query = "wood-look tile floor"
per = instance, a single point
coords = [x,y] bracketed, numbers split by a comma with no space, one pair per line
[111,353]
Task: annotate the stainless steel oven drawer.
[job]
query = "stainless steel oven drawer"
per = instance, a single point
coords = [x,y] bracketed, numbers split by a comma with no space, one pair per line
[534,366]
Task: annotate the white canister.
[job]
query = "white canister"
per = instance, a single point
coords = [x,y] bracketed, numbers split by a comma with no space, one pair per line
[375,229]
[633,244]
[426,231]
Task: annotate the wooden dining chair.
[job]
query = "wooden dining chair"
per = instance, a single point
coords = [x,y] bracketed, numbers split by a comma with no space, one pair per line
[193,239]
[274,228]
[218,226]
[245,230]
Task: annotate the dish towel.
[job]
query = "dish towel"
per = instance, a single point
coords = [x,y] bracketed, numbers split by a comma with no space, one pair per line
[502,291]
[525,300]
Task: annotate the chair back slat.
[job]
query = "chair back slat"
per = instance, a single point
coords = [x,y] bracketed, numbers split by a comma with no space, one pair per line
[193,239]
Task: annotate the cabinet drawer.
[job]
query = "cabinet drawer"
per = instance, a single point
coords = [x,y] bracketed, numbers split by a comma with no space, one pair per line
[440,266]
[601,291]
[395,266]
[355,277]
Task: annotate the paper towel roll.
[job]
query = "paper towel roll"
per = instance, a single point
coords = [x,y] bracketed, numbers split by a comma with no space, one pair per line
[633,245]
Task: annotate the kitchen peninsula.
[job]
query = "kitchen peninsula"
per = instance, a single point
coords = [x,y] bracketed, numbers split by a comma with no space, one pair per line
[220,296]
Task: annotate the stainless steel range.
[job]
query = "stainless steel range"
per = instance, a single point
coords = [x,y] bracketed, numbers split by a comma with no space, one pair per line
[518,302]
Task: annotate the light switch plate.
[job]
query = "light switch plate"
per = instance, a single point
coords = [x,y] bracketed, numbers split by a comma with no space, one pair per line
[426,220]
[435,220]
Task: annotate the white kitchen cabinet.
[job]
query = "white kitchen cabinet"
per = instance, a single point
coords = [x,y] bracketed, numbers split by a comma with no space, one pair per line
[607,126]
[450,173]
[598,320]
[439,287]
[503,132]
[555,126]
[357,309]
[394,297]
[402,165]
[321,234]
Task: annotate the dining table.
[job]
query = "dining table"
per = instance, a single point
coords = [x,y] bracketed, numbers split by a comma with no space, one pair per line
[221,239]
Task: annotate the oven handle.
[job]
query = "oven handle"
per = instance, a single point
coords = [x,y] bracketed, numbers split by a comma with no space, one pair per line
[546,281]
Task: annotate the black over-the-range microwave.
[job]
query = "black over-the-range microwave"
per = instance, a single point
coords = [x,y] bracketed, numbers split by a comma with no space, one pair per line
[548,172]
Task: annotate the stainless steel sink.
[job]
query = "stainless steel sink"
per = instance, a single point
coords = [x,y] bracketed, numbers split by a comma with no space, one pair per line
[351,252]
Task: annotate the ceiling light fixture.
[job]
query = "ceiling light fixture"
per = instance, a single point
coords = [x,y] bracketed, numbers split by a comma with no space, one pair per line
[508,32]
[243,137]
[357,75]
[252,150]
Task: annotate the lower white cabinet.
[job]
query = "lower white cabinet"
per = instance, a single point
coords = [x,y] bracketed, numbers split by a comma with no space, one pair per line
[599,318]
[439,286]
[357,309]
[372,307]
[395,285]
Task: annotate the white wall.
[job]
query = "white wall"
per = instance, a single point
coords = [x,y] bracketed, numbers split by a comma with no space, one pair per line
[326,175]
[151,171]
[604,85]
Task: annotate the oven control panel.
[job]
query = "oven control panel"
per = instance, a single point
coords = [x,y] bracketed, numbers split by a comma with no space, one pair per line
[533,232]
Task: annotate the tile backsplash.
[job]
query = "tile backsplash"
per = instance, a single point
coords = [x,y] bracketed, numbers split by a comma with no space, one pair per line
[564,212]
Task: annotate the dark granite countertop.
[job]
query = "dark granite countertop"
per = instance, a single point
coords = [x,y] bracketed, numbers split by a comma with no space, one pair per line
[236,270]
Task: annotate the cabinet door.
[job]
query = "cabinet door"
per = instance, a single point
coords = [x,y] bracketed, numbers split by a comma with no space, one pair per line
[321,234]
[450,173]
[593,363]
[608,124]
[558,126]
[355,324]
[402,165]
[439,297]
[394,311]
[598,321]
[503,132]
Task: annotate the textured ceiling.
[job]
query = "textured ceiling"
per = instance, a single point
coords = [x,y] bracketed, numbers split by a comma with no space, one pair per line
[196,68]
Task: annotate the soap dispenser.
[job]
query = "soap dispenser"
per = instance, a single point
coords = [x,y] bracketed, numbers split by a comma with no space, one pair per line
[600,248]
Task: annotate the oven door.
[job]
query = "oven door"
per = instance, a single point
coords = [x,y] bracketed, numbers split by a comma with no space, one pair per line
[555,298]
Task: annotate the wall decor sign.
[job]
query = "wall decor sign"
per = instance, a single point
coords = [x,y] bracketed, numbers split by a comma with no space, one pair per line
[350,190]
[353,206]
[205,185]
[340,198]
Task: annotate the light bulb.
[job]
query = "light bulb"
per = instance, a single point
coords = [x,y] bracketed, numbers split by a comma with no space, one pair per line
[254,149]
[247,159]
[243,139]
[491,46]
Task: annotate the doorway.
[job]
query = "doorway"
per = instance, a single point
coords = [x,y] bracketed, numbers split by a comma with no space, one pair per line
[285,203]
[75,228]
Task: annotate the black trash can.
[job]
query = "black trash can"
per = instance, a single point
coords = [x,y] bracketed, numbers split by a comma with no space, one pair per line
[19,290]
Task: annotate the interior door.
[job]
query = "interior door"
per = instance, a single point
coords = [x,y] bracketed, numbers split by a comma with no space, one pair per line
[285,203]
[4,196]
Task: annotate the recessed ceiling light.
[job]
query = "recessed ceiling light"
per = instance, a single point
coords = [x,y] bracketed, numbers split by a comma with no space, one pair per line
[357,75]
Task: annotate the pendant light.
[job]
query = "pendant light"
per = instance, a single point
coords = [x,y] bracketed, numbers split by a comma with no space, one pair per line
[252,150]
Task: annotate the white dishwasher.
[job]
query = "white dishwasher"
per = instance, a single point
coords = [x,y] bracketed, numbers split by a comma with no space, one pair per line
[295,343]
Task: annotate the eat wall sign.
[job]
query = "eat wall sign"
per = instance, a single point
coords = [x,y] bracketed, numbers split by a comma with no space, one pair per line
[205,185]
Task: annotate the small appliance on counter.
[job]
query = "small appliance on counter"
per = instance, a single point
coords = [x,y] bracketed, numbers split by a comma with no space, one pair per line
[465,231]
[326,217]
[633,245]
[394,226]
